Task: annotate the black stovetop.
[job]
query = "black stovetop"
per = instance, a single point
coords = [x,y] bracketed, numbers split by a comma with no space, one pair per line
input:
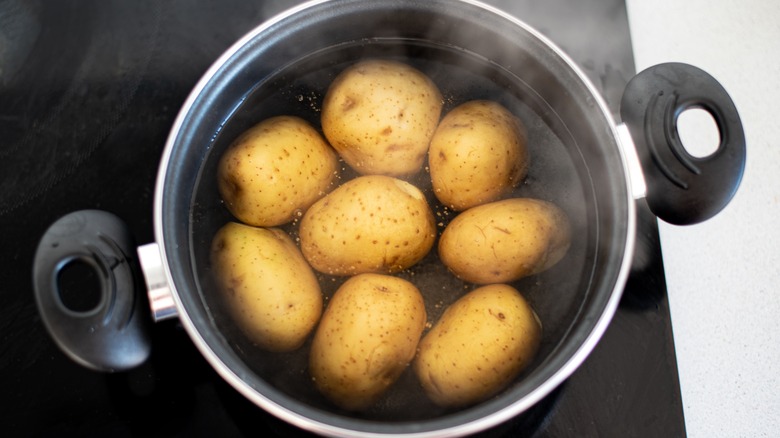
[88,92]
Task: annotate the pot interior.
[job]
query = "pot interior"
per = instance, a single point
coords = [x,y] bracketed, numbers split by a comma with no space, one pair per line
[284,68]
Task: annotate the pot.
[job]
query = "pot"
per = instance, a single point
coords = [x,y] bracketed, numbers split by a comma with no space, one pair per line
[594,168]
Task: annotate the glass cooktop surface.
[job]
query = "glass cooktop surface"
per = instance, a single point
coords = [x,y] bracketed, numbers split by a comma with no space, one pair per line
[88,92]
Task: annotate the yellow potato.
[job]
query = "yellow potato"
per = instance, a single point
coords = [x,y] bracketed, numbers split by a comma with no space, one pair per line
[367,337]
[380,116]
[477,155]
[276,170]
[506,240]
[372,223]
[478,346]
[268,287]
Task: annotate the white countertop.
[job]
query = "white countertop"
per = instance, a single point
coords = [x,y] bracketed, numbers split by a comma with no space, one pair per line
[724,275]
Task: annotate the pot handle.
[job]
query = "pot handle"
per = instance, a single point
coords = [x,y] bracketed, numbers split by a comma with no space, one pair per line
[683,189]
[107,330]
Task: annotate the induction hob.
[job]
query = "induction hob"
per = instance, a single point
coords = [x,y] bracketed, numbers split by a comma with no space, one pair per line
[88,92]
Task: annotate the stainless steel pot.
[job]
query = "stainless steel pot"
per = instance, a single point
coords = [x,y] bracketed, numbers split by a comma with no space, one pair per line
[582,159]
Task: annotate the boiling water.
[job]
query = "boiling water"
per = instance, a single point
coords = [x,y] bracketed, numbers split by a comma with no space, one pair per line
[298,89]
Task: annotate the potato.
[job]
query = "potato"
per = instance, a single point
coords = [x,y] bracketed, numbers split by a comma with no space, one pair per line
[506,240]
[268,287]
[275,170]
[478,346]
[380,116]
[367,337]
[372,223]
[478,154]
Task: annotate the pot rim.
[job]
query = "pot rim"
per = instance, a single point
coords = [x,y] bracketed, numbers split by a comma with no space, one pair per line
[306,423]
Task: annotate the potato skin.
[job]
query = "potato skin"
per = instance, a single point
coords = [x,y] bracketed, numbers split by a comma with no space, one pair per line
[275,170]
[478,154]
[380,116]
[478,346]
[506,240]
[372,223]
[267,285]
[367,337]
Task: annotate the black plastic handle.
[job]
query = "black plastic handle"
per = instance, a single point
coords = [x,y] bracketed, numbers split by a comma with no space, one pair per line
[683,189]
[113,335]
